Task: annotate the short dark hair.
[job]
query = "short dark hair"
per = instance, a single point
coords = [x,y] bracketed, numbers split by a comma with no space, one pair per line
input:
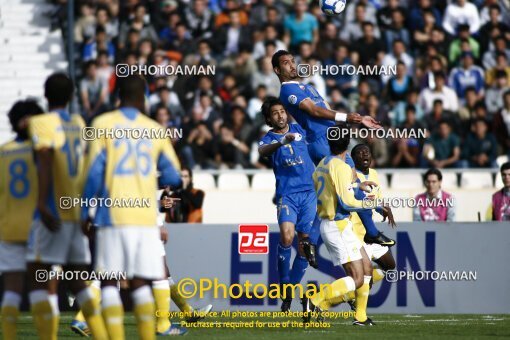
[275,60]
[132,87]
[58,89]
[504,166]
[337,146]
[433,171]
[21,109]
[268,103]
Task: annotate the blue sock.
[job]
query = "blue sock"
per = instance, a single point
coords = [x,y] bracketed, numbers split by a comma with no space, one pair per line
[298,269]
[284,263]
[368,223]
[315,230]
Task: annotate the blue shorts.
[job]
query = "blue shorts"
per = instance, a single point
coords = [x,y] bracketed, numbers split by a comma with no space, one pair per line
[319,149]
[299,208]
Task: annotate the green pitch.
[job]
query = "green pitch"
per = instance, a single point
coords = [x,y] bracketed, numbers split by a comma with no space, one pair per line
[389,326]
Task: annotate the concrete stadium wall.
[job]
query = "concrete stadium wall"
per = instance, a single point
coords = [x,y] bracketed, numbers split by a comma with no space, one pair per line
[256,206]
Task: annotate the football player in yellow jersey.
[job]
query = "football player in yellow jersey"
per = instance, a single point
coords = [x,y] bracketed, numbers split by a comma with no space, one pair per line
[128,238]
[336,200]
[18,196]
[55,235]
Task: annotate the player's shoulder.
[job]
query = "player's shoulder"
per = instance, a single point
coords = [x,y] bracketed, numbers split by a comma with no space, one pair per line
[77,119]
[295,127]
[15,146]
[105,119]
[45,119]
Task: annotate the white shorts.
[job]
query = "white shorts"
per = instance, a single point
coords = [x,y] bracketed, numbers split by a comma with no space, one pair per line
[135,250]
[13,257]
[162,250]
[375,251]
[342,244]
[68,245]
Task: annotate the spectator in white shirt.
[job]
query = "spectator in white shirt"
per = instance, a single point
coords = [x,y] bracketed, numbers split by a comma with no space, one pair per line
[442,92]
[399,54]
[461,12]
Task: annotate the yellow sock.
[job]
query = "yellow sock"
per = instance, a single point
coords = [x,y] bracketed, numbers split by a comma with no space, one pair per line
[113,312]
[92,313]
[144,314]
[179,300]
[161,292]
[114,320]
[362,299]
[42,313]
[338,288]
[96,291]
[377,275]
[9,318]
[342,298]
[55,319]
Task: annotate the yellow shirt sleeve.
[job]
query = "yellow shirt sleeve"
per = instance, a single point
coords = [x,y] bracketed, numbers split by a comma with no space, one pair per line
[341,175]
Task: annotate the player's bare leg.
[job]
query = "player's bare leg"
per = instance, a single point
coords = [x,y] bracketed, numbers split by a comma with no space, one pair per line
[288,275]
[11,300]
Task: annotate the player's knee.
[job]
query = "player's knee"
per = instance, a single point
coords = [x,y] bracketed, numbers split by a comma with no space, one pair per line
[286,239]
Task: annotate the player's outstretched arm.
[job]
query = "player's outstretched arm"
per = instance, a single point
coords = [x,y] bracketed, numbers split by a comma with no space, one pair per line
[313,110]
[267,149]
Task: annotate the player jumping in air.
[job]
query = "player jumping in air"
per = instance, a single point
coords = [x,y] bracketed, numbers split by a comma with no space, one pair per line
[314,115]
[286,146]
[128,238]
[55,235]
[18,198]
[335,186]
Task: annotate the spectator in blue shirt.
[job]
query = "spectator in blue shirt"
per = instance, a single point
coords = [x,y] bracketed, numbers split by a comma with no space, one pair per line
[468,74]
[480,148]
[300,26]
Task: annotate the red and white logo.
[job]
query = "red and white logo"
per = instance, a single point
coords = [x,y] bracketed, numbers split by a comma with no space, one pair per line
[253,239]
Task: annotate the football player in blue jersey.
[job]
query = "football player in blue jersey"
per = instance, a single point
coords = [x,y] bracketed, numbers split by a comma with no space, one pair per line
[285,145]
[315,116]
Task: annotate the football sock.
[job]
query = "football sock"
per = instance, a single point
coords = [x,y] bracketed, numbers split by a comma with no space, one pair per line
[377,275]
[92,312]
[368,223]
[10,311]
[96,290]
[284,254]
[113,312]
[298,269]
[315,230]
[42,312]
[340,287]
[144,312]
[161,292]
[177,298]
[56,314]
[362,299]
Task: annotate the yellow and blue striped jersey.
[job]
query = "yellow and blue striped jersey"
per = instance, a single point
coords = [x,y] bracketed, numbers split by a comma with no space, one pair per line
[333,180]
[61,132]
[18,190]
[357,224]
[126,169]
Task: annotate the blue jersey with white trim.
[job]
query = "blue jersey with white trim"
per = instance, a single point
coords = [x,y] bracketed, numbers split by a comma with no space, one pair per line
[291,94]
[292,165]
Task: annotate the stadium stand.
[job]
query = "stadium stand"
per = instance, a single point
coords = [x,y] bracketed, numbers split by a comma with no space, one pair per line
[30,52]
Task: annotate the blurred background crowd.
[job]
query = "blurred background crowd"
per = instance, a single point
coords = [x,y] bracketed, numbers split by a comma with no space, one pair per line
[452,57]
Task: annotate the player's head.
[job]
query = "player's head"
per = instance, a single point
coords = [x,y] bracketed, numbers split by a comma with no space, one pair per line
[505,174]
[58,90]
[187,178]
[19,114]
[132,92]
[284,65]
[339,145]
[362,157]
[433,179]
[274,113]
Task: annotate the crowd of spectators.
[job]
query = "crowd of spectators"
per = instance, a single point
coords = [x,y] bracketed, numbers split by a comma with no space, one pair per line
[452,79]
